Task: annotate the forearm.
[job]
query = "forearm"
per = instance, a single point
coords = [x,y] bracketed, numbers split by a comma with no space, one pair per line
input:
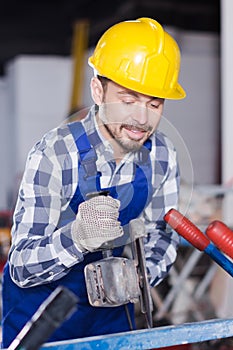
[39,260]
[161,251]
[42,249]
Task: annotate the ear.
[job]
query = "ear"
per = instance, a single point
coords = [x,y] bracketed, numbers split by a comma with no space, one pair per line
[97,91]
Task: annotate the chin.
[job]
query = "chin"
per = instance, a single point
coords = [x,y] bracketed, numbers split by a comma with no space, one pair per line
[130,146]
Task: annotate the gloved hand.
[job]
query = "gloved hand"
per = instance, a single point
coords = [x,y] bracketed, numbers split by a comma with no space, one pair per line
[96,223]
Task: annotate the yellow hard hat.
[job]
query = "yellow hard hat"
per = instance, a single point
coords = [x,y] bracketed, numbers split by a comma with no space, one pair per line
[140,56]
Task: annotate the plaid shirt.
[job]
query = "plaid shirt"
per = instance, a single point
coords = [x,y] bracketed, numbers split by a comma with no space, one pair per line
[40,252]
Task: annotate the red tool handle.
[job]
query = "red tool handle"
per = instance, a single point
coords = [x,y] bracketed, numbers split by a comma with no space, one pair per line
[186,229]
[221,236]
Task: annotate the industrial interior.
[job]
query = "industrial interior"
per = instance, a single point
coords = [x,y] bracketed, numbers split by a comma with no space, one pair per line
[44,82]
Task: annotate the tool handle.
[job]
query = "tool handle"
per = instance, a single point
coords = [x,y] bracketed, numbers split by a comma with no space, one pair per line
[96,194]
[186,229]
[219,258]
[59,306]
[221,235]
[191,233]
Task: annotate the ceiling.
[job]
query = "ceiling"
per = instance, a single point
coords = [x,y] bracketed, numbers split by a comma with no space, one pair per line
[45,27]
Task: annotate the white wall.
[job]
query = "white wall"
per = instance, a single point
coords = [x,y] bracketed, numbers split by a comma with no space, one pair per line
[197,117]
[36,94]
[226,105]
[221,291]
[227,88]
[4,145]
[40,98]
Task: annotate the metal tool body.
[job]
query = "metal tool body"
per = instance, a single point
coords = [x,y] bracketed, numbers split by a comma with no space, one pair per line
[112,282]
[145,299]
[115,281]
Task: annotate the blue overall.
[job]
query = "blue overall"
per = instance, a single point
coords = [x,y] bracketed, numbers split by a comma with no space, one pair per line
[19,304]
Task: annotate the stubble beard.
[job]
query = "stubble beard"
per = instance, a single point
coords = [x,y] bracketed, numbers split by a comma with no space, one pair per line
[127,145]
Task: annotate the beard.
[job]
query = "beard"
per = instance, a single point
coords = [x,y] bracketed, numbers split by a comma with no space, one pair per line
[127,144]
[123,131]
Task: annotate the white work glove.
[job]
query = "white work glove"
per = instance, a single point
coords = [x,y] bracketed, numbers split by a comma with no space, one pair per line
[96,223]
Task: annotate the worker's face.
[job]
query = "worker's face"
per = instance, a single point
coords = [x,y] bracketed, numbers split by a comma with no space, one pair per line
[127,116]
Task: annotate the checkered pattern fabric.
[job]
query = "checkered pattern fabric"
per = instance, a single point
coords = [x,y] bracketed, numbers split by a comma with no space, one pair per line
[42,252]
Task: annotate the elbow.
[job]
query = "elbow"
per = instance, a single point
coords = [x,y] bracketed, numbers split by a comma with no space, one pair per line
[17,278]
[17,272]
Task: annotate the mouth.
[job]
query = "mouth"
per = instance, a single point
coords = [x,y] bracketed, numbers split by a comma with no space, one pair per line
[135,132]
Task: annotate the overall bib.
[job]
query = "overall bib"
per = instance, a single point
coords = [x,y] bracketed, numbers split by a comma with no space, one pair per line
[19,304]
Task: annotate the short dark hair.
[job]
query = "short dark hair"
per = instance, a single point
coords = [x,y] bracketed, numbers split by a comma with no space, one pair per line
[104,81]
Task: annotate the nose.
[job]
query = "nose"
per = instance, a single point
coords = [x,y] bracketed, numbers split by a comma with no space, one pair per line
[141,114]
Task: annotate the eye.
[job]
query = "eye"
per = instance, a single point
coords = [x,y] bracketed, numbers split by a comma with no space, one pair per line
[155,104]
[128,100]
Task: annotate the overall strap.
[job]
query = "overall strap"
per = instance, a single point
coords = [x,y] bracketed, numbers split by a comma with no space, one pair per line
[133,196]
[87,165]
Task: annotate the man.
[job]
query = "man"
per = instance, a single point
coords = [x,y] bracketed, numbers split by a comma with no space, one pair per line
[57,228]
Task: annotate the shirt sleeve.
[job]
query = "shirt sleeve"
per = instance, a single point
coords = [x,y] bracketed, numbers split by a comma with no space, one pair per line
[162,242]
[40,251]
